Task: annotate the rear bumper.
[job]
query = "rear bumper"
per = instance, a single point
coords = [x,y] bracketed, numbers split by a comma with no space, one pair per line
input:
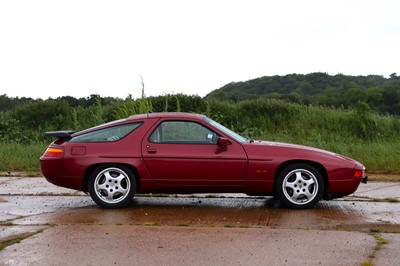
[52,170]
[364,180]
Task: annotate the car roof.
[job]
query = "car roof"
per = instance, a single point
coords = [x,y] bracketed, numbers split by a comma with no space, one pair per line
[132,118]
[176,115]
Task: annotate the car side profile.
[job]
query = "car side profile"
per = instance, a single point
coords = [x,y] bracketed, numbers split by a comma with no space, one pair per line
[190,153]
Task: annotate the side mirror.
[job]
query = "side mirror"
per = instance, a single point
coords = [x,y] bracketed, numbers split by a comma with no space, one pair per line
[222,144]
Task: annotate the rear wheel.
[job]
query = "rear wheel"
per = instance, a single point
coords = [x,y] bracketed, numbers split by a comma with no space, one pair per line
[300,186]
[112,186]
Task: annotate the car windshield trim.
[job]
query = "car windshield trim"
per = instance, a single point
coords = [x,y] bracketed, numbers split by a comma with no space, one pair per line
[226,130]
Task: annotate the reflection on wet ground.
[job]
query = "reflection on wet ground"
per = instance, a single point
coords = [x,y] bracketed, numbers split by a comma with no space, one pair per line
[260,226]
[182,230]
[200,211]
[34,201]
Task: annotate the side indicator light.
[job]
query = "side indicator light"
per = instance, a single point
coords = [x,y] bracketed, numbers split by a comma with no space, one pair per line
[53,152]
[261,171]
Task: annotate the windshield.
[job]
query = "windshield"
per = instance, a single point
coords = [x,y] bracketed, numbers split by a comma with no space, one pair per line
[227,131]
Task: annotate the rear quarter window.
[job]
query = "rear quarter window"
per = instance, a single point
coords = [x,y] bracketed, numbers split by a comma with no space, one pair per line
[109,134]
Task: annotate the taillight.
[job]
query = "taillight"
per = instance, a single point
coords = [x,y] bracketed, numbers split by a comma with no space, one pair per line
[359,173]
[53,152]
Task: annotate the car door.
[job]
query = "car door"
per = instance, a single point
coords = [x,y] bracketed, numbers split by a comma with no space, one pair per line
[184,153]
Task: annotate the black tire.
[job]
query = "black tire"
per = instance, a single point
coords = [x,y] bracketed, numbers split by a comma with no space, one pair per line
[112,186]
[300,186]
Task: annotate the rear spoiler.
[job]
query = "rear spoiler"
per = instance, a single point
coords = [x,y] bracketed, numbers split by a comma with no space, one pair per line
[61,135]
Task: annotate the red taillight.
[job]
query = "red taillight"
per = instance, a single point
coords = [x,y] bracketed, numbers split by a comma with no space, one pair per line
[53,152]
[359,173]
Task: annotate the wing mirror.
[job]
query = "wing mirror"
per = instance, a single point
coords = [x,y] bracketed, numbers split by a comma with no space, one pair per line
[222,144]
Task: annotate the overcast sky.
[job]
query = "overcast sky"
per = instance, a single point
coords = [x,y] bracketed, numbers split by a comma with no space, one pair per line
[78,48]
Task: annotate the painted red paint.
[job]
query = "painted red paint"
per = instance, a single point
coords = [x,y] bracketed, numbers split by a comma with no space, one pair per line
[188,153]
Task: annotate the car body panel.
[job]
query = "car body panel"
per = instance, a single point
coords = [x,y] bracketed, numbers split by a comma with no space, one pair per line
[340,168]
[194,167]
[246,167]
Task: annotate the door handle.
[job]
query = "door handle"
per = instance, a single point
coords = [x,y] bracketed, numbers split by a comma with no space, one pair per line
[151,150]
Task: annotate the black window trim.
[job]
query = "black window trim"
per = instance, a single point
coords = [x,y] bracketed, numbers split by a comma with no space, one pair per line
[182,142]
[140,123]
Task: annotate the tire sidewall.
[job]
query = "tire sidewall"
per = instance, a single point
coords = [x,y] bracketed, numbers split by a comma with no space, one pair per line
[279,186]
[123,203]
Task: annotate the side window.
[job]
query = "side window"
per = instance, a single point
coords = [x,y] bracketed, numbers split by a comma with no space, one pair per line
[184,132]
[107,134]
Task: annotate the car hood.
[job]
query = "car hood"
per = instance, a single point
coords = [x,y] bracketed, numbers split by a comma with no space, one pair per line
[259,149]
[263,143]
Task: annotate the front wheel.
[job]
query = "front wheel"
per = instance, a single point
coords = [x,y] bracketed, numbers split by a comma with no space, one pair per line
[112,186]
[300,186]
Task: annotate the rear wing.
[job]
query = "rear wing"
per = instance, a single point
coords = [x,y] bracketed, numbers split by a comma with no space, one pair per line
[61,135]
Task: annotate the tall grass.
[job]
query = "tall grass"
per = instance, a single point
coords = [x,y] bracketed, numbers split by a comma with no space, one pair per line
[370,138]
[358,133]
[18,157]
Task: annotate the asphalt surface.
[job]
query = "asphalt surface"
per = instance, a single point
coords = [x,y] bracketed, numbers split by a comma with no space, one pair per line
[57,226]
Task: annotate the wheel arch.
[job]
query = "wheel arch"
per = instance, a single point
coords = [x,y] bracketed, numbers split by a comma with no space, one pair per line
[317,166]
[91,168]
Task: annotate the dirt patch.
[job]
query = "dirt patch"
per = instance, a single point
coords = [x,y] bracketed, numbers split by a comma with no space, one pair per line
[384,177]
[33,173]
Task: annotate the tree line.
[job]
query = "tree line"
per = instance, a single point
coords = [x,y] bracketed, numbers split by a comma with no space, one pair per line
[24,120]
[380,93]
[253,107]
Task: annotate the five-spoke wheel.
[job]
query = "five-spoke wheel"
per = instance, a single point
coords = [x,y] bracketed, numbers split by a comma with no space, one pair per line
[300,186]
[112,186]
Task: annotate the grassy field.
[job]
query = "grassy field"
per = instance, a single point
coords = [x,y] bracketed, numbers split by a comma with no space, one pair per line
[17,157]
[378,157]
[358,133]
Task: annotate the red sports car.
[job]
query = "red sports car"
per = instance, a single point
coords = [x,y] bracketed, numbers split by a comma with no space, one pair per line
[190,153]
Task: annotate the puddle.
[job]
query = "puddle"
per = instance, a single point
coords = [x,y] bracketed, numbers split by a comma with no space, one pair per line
[188,211]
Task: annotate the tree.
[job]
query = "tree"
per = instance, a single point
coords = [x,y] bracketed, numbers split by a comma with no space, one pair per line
[393,76]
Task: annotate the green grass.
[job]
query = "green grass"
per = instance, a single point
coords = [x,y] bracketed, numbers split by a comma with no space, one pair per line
[380,241]
[392,200]
[183,224]
[4,244]
[360,134]
[18,157]
[366,263]
[18,239]
[151,224]
[377,156]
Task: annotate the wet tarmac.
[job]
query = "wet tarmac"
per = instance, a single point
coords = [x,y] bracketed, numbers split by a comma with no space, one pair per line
[60,226]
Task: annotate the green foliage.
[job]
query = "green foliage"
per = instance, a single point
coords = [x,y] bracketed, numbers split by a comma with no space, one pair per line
[97,111]
[178,103]
[345,120]
[382,94]
[10,130]
[32,116]
[7,103]
[18,157]
[131,107]
[364,124]
[166,104]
